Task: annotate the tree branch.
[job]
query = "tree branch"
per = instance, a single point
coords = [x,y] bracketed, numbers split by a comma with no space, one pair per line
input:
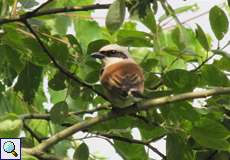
[134,141]
[32,133]
[58,66]
[41,6]
[129,140]
[148,104]
[203,63]
[43,155]
[28,15]
[46,116]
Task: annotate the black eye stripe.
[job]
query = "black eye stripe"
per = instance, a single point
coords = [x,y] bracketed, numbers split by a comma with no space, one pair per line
[114,53]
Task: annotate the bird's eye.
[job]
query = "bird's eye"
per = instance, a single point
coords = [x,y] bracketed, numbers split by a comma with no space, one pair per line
[113,51]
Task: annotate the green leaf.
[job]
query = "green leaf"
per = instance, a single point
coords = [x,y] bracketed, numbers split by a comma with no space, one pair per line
[9,76]
[218,21]
[13,38]
[115,16]
[228,3]
[92,77]
[207,75]
[57,83]
[72,3]
[74,89]
[59,112]
[180,80]
[89,70]
[62,147]
[28,81]
[130,151]
[10,126]
[211,134]
[177,149]
[10,102]
[122,123]
[96,45]
[40,98]
[223,64]
[151,80]
[86,32]
[75,44]
[61,24]
[216,155]
[138,8]
[12,58]
[130,25]
[38,55]
[28,157]
[149,21]
[59,50]
[149,64]
[200,35]
[2,87]
[134,38]
[40,127]
[178,37]
[182,111]
[27,4]
[81,153]
[57,24]
[57,96]
[149,132]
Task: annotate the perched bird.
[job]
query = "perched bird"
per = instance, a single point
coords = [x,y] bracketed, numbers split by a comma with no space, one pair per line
[121,76]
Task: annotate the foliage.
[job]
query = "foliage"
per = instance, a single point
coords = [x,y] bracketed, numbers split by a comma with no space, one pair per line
[174,61]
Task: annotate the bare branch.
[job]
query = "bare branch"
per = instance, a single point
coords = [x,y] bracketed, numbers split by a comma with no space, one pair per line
[28,15]
[46,116]
[148,104]
[134,141]
[68,9]
[43,155]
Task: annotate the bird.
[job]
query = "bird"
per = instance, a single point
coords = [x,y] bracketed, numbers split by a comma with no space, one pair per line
[121,76]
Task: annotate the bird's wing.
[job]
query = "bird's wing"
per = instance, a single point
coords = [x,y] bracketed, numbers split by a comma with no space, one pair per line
[121,79]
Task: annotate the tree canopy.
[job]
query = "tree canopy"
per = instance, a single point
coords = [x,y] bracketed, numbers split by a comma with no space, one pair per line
[49,86]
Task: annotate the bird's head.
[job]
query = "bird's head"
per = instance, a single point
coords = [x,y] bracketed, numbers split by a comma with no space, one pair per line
[111,54]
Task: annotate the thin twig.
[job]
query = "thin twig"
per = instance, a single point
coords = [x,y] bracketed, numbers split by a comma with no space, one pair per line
[226,45]
[133,141]
[46,116]
[203,63]
[41,6]
[32,133]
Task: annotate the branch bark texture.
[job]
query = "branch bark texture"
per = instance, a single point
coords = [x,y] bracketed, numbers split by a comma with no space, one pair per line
[148,104]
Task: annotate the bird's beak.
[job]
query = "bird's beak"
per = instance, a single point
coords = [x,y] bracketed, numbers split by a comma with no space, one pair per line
[97,55]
